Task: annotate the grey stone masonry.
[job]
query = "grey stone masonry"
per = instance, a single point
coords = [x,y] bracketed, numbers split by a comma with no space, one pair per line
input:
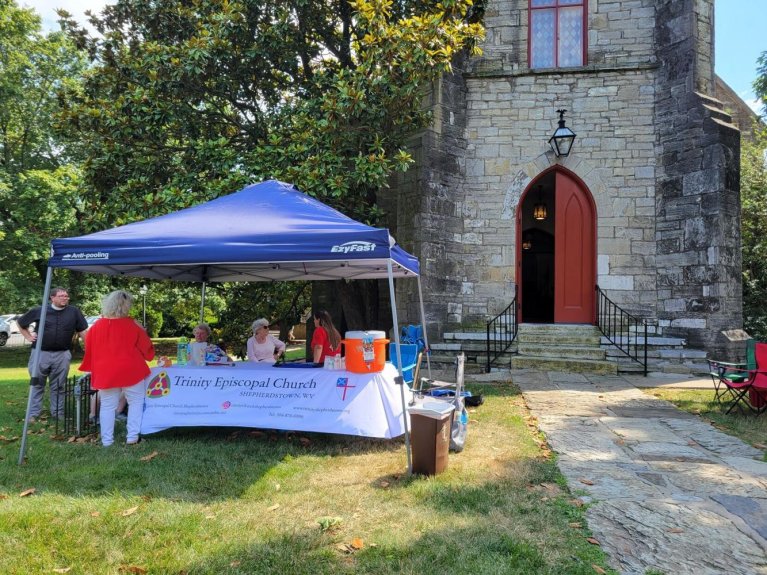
[655,152]
[698,198]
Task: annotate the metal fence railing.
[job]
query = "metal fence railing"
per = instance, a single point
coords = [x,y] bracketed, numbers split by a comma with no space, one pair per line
[626,332]
[77,407]
[501,331]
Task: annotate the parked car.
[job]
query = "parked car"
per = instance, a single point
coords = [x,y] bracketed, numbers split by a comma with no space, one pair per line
[5,332]
[11,319]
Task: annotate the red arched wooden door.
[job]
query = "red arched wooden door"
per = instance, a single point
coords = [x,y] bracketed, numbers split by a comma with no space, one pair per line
[574,253]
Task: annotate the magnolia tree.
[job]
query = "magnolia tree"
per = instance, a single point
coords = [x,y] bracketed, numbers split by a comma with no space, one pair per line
[187,101]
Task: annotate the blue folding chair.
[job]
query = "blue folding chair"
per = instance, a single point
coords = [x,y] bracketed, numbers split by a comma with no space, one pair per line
[413,334]
[411,360]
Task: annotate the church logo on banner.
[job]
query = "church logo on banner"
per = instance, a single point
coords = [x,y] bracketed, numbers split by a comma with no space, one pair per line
[159,386]
[342,386]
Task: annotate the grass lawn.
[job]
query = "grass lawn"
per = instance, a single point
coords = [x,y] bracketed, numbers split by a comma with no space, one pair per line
[748,427]
[243,501]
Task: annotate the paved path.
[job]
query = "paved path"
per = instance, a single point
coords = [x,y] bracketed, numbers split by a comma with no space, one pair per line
[669,491]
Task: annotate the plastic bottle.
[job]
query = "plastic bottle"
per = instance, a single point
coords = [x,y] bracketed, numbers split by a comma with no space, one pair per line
[181,351]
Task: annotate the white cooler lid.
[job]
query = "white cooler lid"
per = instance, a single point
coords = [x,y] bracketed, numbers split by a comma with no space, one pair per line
[433,409]
[362,334]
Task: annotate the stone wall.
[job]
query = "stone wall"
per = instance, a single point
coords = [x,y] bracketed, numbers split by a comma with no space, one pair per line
[659,159]
[698,201]
[429,216]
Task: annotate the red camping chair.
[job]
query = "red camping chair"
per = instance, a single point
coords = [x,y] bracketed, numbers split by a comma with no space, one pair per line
[743,388]
[734,372]
[757,393]
[729,392]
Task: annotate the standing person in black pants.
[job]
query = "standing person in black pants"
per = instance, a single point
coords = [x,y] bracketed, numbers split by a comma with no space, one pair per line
[62,321]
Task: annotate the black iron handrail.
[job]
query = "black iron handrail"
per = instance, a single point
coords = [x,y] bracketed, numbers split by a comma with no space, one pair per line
[503,328]
[626,332]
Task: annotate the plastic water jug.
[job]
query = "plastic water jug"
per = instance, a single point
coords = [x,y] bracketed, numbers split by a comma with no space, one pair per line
[182,349]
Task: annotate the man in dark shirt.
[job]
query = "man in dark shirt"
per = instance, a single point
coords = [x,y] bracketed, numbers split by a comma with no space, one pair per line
[62,321]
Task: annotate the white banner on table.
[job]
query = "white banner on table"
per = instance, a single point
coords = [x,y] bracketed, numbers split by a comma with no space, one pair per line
[250,395]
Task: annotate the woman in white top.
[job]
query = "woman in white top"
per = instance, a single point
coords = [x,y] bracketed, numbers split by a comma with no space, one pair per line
[264,347]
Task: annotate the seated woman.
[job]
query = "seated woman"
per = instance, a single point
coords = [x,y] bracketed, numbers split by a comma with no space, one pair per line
[213,353]
[264,347]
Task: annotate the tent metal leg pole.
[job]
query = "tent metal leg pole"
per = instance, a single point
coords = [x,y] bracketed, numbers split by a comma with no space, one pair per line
[423,328]
[393,298]
[202,304]
[23,448]
[35,376]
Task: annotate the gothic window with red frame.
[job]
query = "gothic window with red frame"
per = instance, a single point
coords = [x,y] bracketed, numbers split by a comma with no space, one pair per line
[557,33]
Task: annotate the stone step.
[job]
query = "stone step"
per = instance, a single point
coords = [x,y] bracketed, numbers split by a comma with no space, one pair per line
[441,365]
[563,351]
[652,341]
[559,328]
[472,346]
[626,365]
[465,336]
[543,338]
[560,346]
[631,367]
[661,354]
[476,358]
[692,368]
[567,365]
[559,334]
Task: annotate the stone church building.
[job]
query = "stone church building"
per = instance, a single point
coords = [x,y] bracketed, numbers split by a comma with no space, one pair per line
[645,206]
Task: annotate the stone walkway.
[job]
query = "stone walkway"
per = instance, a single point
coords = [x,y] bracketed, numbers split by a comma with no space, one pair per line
[667,491]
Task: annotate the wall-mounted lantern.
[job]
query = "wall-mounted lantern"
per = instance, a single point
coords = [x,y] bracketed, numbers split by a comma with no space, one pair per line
[562,140]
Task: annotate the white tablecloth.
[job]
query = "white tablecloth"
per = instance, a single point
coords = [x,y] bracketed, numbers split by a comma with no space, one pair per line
[254,395]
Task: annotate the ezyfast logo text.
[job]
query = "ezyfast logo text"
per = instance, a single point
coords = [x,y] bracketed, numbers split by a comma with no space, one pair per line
[349,247]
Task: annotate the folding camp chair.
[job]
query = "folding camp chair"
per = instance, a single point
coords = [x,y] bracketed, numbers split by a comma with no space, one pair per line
[757,393]
[731,386]
[733,372]
[411,360]
[413,334]
[743,388]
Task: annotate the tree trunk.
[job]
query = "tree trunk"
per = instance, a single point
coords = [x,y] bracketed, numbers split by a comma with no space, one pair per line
[359,301]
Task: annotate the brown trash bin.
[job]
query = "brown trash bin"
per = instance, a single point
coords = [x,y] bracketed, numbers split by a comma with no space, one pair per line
[430,426]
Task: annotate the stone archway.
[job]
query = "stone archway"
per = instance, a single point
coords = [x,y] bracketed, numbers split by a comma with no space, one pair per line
[556,253]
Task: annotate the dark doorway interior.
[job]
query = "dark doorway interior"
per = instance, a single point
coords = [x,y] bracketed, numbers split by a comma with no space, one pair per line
[538,277]
[537,267]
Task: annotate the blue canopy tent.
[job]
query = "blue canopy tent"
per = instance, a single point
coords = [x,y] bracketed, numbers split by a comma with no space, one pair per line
[265,232]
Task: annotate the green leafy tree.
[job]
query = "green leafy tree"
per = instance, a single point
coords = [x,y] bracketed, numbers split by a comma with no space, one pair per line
[760,84]
[38,176]
[283,304]
[753,193]
[188,101]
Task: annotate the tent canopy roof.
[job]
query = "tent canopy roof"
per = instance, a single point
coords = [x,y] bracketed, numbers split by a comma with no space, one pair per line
[265,232]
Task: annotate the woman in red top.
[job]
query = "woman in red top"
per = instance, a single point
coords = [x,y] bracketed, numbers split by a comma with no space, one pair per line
[116,351]
[326,341]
